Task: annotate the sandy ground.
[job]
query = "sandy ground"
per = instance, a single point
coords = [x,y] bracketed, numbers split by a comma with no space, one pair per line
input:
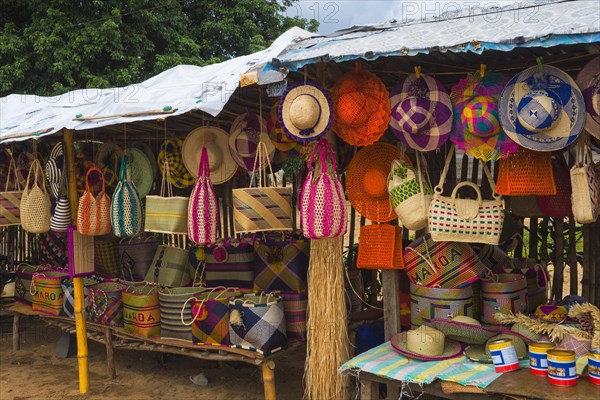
[34,372]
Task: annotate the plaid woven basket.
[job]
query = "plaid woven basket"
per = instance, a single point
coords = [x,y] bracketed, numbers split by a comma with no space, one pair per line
[105,303]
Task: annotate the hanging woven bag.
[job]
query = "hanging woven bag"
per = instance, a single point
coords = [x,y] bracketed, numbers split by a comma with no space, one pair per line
[35,203]
[322,207]
[203,207]
[380,247]
[526,173]
[93,213]
[10,199]
[61,217]
[585,183]
[558,205]
[126,208]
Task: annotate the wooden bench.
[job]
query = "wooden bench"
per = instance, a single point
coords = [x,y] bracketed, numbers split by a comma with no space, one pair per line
[119,338]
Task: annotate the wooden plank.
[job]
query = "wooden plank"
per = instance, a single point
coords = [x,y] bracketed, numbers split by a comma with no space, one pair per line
[533,238]
[16,333]
[369,390]
[559,259]
[110,360]
[391,302]
[587,252]
[268,376]
[595,264]
[572,259]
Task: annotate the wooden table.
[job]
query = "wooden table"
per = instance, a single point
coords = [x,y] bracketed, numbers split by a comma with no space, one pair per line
[119,338]
[518,384]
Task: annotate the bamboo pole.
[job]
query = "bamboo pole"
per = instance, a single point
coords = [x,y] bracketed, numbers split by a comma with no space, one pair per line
[80,327]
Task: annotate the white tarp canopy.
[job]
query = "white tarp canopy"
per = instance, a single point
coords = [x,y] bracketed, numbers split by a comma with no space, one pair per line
[182,88]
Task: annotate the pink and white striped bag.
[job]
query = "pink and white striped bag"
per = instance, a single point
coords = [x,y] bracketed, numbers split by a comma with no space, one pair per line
[203,208]
[322,208]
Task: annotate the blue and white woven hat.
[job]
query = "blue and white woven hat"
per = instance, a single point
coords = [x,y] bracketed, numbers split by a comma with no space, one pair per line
[542,110]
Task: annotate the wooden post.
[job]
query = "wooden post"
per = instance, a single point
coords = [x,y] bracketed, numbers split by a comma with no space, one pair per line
[78,296]
[369,390]
[268,375]
[16,334]
[110,361]
[391,302]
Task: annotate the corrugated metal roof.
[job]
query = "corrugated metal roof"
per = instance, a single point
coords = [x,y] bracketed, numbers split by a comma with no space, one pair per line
[539,23]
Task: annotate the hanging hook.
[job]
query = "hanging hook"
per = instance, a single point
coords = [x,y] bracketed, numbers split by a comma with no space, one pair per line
[418,71]
[540,63]
[482,70]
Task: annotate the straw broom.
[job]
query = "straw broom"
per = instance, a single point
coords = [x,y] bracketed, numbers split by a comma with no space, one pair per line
[327,342]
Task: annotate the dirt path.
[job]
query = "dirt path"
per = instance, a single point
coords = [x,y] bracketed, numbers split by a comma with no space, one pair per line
[35,372]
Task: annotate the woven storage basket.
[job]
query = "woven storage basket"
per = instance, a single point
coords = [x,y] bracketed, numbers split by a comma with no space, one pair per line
[69,294]
[503,293]
[427,303]
[23,277]
[295,306]
[525,173]
[106,258]
[171,302]
[585,181]
[558,205]
[135,257]
[141,310]
[380,247]
[35,202]
[105,303]
[47,292]
[210,316]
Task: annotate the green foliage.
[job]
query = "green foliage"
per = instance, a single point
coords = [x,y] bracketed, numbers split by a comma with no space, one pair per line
[54,46]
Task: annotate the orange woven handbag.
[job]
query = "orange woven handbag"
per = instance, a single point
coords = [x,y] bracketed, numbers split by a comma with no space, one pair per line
[380,247]
[526,173]
[93,213]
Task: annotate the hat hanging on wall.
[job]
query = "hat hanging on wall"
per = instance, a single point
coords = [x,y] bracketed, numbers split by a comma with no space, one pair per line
[171,151]
[542,109]
[422,114]
[305,112]
[244,136]
[361,106]
[278,137]
[588,81]
[108,159]
[478,131]
[221,163]
[140,171]
[149,153]
[54,168]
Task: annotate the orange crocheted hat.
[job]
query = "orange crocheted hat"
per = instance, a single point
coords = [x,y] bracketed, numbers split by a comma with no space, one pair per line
[366,181]
[361,106]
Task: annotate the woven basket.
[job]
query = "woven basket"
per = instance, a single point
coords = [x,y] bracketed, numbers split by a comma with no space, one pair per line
[525,173]
[93,213]
[47,292]
[503,293]
[105,303]
[585,181]
[23,278]
[35,202]
[558,205]
[106,258]
[427,303]
[141,310]
[171,302]
[295,306]
[380,247]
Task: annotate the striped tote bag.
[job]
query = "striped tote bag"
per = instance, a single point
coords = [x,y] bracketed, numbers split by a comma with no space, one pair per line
[322,207]
[203,207]
[61,217]
[126,207]
[93,213]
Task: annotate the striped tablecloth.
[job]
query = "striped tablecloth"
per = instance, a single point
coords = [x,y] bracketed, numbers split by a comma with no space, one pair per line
[384,361]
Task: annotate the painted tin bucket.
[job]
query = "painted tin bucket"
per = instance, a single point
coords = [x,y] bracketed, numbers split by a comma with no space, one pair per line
[504,355]
[594,366]
[538,357]
[561,368]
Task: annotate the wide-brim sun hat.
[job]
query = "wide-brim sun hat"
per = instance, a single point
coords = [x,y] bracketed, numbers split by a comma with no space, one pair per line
[140,171]
[305,112]
[108,159]
[478,131]
[588,81]
[244,136]
[361,107]
[366,181]
[215,140]
[150,154]
[542,109]
[278,137]
[465,332]
[400,343]
[170,151]
[480,352]
[422,114]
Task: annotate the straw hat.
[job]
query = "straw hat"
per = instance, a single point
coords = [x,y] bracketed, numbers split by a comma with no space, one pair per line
[422,113]
[366,181]
[140,171]
[361,107]
[108,159]
[425,343]
[278,137]
[149,153]
[221,163]
[244,136]
[305,112]
[170,150]
[481,353]
[465,329]
[542,110]
[588,81]
[478,131]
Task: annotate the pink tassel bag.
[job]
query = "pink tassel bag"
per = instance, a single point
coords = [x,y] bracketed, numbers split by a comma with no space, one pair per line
[203,208]
[322,208]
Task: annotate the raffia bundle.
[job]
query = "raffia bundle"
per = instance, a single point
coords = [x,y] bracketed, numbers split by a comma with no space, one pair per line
[327,343]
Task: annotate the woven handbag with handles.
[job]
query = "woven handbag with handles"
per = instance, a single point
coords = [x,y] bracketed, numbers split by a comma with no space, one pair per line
[126,207]
[410,193]
[93,213]
[203,207]
[47,291]
[35,202]
[262,208]
[209,316]
[61,217]
[322,206]
[141,310]
[526,172]
[380,247]
[585,184]
[166,213]
[10,199]
[465,220]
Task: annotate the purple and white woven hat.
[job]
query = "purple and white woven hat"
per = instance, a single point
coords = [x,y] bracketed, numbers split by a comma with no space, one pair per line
[422,113]
[244,136]
[305,112]
[588,81]
[542,109]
